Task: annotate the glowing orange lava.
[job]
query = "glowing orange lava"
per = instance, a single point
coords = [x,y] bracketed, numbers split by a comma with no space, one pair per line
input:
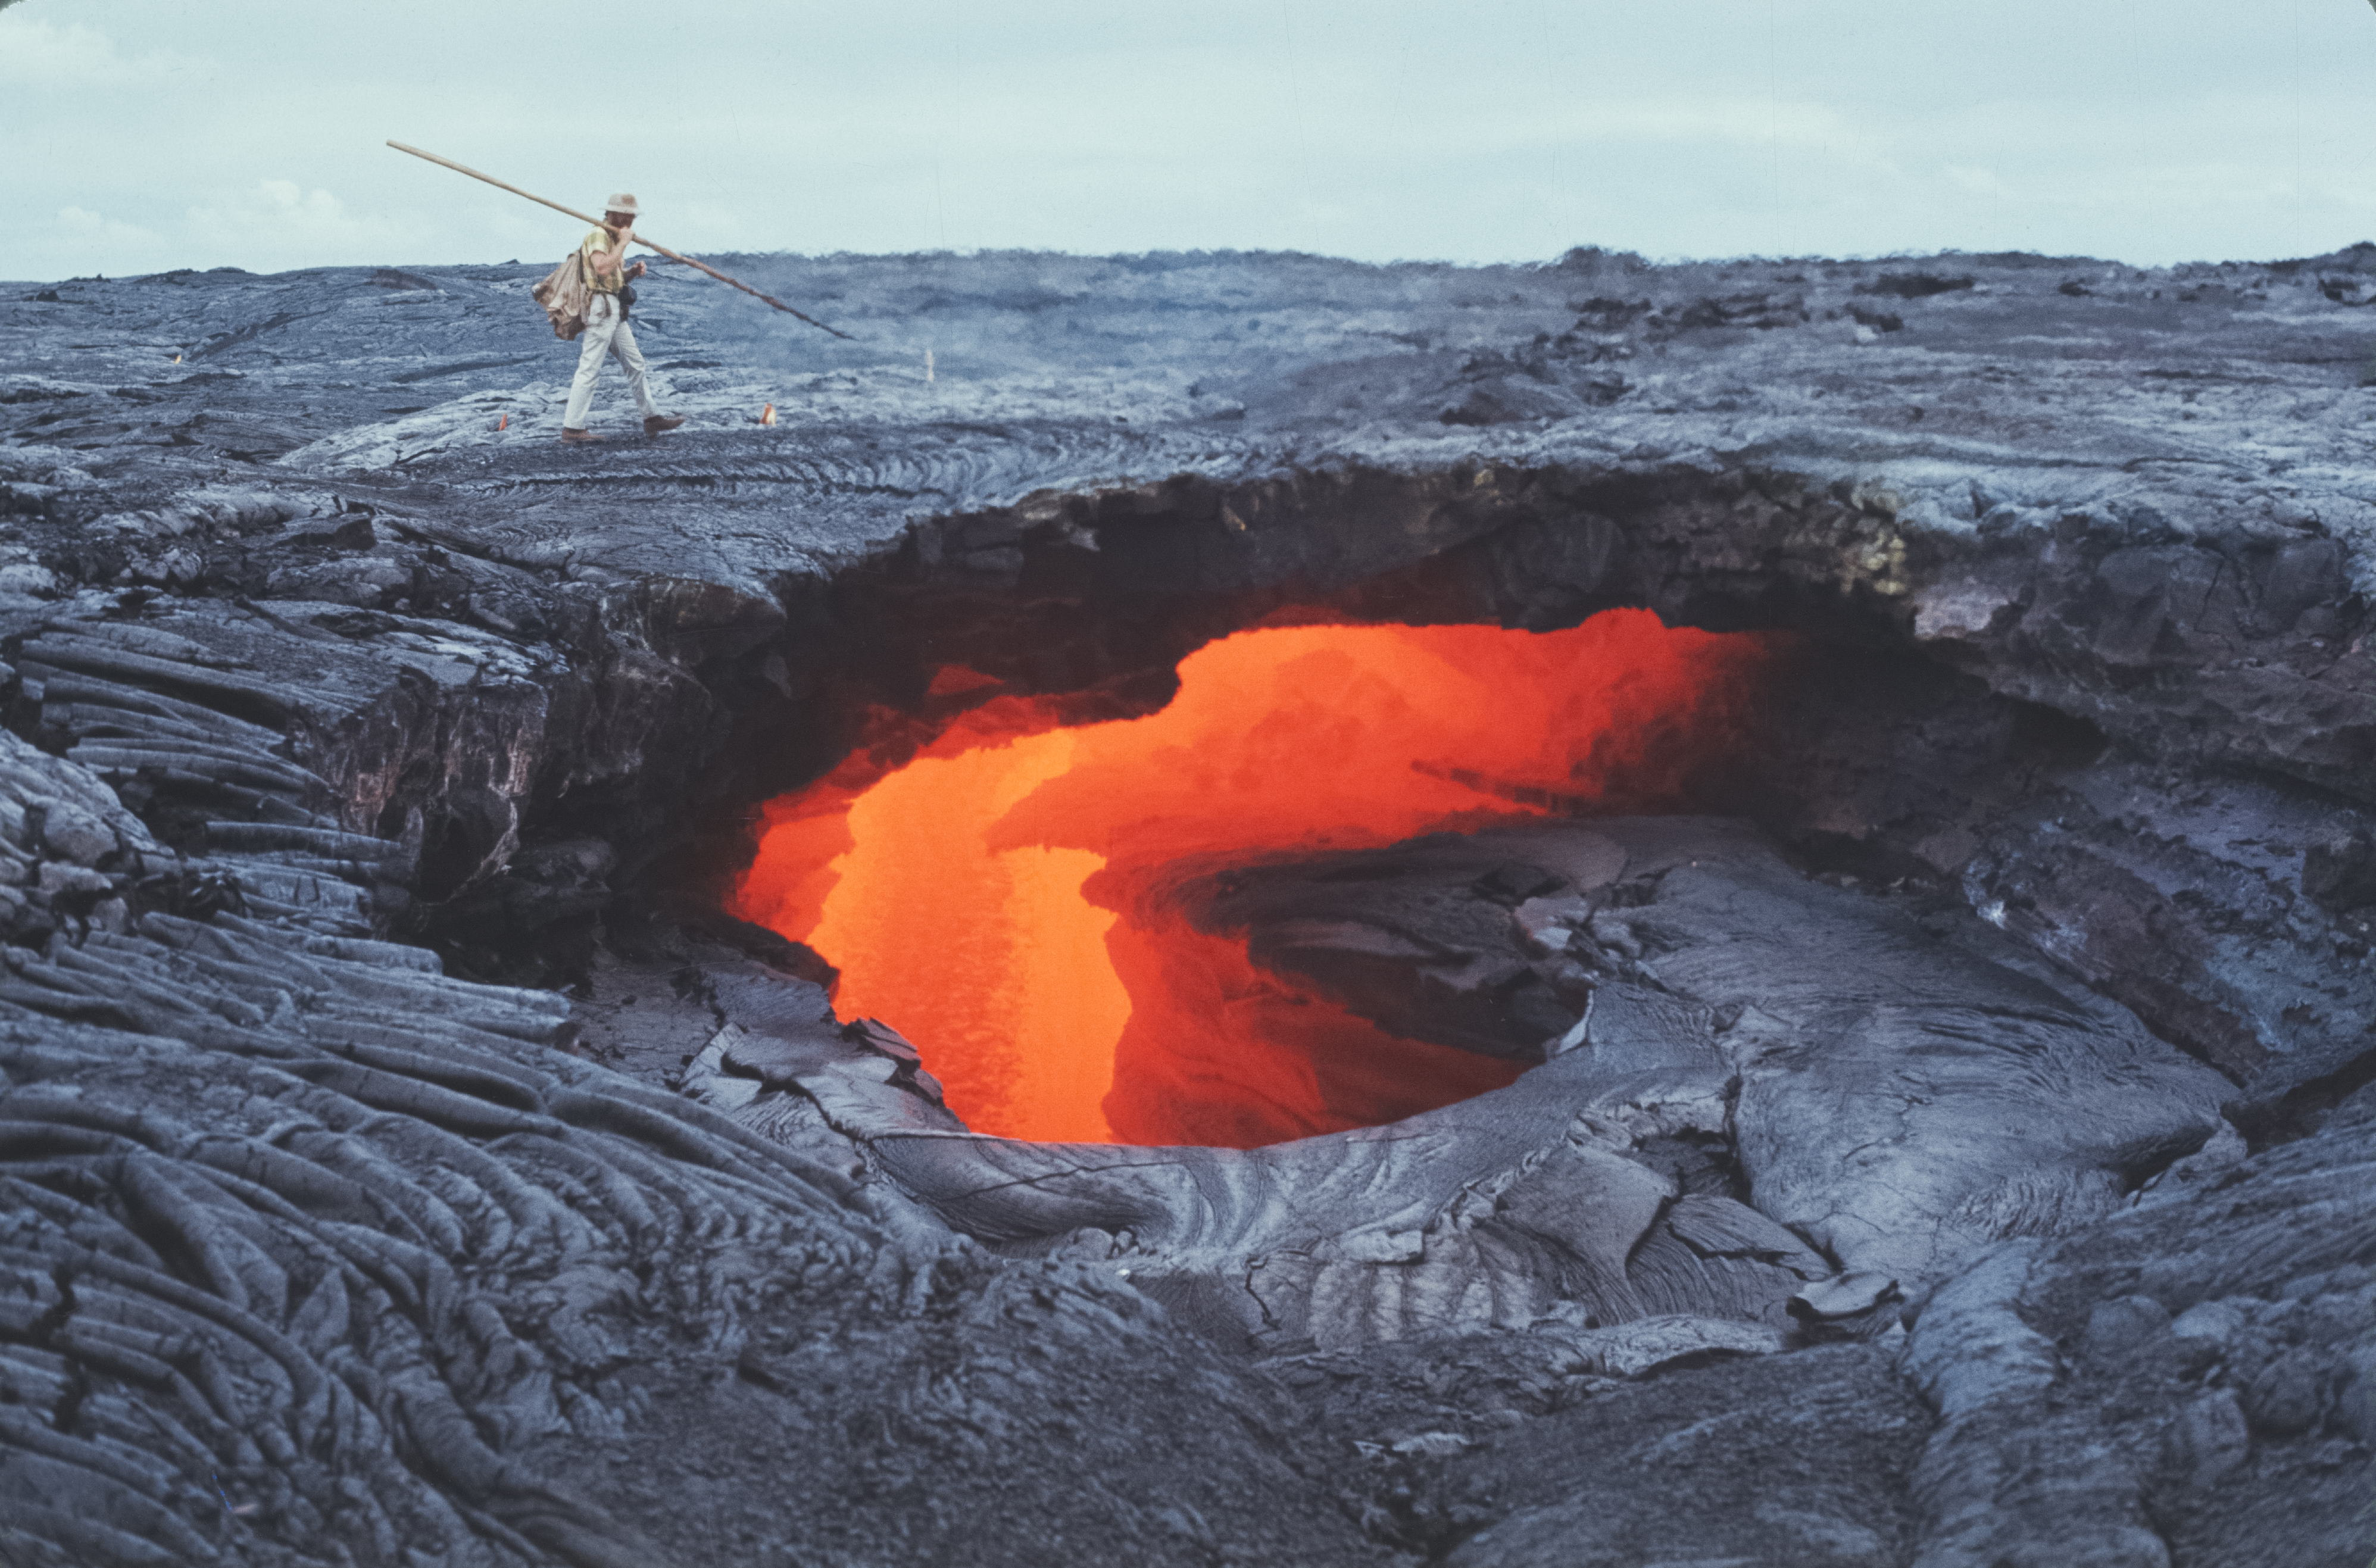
[950,892]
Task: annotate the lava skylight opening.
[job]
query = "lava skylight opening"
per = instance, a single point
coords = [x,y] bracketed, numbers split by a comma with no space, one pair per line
[998,897]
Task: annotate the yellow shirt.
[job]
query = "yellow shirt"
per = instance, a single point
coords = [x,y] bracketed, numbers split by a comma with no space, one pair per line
[603,282]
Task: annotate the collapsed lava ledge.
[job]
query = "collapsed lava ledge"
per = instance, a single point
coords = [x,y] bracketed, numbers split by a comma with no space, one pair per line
[294,1209]
[1886,1095]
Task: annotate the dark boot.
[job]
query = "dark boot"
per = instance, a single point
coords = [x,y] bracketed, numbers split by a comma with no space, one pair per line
[657,422]
[569,434]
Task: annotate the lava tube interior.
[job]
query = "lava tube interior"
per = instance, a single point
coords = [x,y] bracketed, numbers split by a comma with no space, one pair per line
[996,897]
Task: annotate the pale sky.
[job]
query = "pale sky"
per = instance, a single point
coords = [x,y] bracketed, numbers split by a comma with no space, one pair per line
[142,134]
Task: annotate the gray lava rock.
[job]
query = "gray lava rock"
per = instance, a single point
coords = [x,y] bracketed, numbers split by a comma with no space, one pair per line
[2210,1426]
[2116,1329]
[1820,1484]
[319,647]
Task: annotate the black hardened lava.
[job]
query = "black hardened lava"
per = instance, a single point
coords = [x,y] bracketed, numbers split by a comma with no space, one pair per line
[1876,756]
[404,1160]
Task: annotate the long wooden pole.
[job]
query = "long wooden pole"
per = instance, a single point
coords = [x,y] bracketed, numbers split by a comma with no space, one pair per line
[698,266]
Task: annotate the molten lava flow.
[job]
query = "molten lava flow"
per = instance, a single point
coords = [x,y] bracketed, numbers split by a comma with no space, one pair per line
[950,892]
[994,959]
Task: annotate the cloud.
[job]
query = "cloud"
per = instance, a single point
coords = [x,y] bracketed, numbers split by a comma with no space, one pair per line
[37,53]
[84,228]
[76,240]
[281,219]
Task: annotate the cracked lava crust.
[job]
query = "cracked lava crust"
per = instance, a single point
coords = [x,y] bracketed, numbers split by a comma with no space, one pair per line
[1524,916]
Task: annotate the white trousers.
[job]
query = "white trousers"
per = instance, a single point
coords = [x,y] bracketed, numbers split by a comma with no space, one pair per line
[606,333]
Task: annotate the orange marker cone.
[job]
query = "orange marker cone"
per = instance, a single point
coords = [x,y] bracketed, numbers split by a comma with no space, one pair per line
[767,414]
[502,422]
[177,359]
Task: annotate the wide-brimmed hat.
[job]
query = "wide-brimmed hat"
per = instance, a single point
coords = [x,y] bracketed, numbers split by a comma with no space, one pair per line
[625,203]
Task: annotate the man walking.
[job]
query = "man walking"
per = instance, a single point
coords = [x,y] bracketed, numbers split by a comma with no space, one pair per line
[607,273]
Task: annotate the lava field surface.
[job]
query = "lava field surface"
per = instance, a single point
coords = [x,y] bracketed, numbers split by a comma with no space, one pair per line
[1934,1128]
